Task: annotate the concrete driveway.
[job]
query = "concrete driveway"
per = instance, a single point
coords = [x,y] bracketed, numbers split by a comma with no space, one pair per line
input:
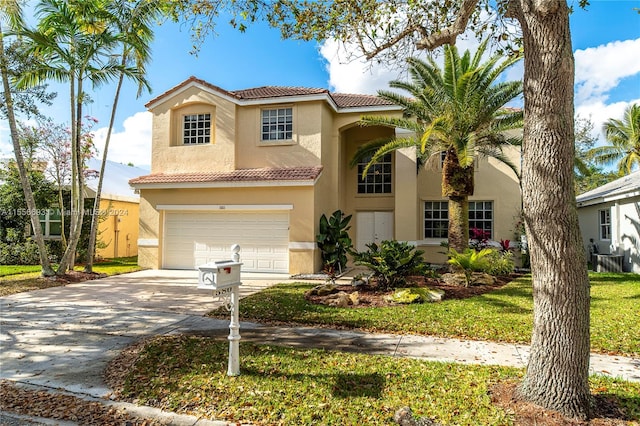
[63,337]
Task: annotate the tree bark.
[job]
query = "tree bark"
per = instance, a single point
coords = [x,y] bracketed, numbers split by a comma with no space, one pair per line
[24,178]
[557,372]
[457,185]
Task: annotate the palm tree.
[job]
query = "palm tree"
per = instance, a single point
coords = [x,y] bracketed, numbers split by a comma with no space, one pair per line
[624,138]
[134,20]
[459,111]
[11,10]
[72,43]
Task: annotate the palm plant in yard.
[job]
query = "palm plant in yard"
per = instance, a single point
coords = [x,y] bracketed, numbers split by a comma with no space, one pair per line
[133,22]
[459,111]
[73,43]
[624,142]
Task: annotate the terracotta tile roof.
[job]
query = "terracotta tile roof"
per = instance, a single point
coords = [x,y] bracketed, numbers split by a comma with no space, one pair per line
[342,100]
[276,92]
[243,175]
[346,100]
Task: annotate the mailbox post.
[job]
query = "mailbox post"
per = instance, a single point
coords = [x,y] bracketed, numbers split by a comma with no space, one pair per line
[223,277]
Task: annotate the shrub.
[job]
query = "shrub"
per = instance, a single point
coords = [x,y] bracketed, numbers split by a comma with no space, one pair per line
[470,261]
[391,262]
[23,253]
[334,241]
[500,263]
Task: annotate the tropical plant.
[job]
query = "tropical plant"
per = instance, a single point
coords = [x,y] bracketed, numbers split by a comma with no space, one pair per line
[469,261]
[500,262]
[12,12]
[133,23]
[459,111]
[334,242]
[73,43]
[391,262]
[623,137]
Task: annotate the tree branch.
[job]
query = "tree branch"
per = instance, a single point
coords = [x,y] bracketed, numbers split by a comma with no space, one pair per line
[449,34]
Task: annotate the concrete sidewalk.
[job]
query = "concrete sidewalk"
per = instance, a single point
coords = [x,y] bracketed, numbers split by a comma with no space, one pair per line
[63,337]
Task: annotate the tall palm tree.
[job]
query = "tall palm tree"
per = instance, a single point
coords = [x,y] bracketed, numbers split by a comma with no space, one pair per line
[624,139]
[72,43]
[134,24]
[12,12]
[459,111]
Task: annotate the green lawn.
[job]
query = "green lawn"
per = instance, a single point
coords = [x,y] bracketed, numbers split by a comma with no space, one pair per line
[6,270]
[29,278]
[308,386]
[504,315]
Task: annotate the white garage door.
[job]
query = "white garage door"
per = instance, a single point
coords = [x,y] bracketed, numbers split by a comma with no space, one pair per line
[195,238]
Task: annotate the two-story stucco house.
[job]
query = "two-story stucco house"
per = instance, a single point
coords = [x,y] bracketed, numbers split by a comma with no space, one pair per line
[258,167]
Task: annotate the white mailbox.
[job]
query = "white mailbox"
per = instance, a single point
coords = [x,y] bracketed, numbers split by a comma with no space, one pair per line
[219,275]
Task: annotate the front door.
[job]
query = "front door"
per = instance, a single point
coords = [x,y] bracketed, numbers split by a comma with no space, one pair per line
[373,227]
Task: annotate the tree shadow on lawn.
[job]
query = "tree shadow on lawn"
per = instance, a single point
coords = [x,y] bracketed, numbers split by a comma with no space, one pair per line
[342,385]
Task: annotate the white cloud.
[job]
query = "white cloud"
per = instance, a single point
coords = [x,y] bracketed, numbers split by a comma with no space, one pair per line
[600,69]
[133,145]
[599,112]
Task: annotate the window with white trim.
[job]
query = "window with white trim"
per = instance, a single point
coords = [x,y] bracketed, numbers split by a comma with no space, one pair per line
[481,217]
[436,218]
[604,223]
[378,178]
[277,124]
[196,129]
[51,223]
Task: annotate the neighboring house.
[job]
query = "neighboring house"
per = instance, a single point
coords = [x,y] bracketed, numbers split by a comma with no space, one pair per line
[610,221]
[119,206]
[258,167]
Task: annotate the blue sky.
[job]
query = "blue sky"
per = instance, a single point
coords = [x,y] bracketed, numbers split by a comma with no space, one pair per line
[606,41]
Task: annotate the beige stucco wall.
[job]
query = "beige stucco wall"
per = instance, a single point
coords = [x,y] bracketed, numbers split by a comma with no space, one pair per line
[303,150]
[494,181]
[169,155]
[301,229]
[119,229]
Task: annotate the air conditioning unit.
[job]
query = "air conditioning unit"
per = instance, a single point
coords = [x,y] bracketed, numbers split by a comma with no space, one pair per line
[609,262]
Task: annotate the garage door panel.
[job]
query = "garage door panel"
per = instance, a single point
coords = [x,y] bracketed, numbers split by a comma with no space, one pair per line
[195,238]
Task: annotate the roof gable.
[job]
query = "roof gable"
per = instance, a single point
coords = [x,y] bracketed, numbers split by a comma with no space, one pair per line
[274,94]
[625,186]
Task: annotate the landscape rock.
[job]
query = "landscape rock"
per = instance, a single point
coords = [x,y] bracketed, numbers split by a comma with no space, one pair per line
[338,300]
[322,290]
[404,417]
[477,278]
[416,295]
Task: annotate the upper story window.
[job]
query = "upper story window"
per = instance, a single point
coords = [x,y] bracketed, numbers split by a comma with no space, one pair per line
[277,124]
[604,222]
[378,178]
[196,129]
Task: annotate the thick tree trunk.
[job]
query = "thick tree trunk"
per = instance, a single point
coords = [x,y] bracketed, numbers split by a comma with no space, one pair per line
[557,373]
[457,184]
[24,178]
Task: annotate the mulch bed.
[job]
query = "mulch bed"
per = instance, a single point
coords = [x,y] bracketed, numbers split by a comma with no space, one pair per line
[370,295]
[606,412]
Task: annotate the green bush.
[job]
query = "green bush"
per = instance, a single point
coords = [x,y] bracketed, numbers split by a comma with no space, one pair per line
[392,262]
[469,261]
[334,241]
[500,262]
[24,253]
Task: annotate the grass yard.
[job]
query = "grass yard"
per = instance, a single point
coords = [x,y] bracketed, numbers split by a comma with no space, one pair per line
[29,277]
[308,386]
[7,270]
[503,315]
